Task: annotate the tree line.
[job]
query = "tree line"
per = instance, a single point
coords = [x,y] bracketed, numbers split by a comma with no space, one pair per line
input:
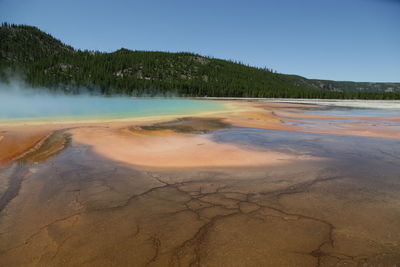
[46,62]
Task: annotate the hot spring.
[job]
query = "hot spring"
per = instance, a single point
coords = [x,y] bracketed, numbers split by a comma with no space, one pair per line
[18,107]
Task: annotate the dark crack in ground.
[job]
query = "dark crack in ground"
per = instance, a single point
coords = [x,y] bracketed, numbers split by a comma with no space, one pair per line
[77,208]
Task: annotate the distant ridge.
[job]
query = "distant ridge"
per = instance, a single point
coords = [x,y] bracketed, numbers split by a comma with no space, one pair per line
[47,62]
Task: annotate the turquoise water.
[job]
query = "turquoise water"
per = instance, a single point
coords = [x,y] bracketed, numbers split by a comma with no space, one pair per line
[52,107]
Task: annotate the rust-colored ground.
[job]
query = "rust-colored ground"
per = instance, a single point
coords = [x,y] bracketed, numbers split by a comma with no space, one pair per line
[257,187]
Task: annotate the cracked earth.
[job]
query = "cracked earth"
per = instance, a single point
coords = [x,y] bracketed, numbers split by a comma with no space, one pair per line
[332,202]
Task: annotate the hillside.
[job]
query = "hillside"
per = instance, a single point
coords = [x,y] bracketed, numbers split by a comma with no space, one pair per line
[46,62]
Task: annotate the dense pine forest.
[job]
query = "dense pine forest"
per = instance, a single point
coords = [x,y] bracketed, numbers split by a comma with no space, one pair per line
[44,61]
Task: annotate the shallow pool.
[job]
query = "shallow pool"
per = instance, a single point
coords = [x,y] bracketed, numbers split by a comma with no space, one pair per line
[46,107]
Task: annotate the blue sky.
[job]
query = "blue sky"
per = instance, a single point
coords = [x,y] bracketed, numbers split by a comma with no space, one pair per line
[342,40]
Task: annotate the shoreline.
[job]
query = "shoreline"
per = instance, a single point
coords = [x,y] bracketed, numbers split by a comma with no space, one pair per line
[17,138]
[230,105]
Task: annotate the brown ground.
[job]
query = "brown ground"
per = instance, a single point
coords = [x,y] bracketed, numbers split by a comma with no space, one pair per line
[168,194]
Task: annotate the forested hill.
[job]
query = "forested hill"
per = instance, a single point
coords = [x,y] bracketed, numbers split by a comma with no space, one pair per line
[46,62]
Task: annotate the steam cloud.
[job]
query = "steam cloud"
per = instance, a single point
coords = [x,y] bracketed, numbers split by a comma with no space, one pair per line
[20,102]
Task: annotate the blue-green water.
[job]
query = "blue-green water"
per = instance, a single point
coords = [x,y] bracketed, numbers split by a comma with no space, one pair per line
[60,107]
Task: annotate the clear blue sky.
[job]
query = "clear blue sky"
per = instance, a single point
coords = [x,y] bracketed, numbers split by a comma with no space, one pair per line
[342,40]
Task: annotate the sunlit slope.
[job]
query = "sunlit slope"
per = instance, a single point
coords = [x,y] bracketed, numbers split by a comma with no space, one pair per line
[45,61]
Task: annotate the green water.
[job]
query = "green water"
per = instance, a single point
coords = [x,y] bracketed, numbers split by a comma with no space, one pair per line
[17,108]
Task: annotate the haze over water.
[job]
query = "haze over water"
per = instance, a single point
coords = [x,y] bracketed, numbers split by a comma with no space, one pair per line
[49,107]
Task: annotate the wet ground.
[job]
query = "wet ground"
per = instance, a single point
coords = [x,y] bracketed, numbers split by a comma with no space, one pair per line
[187,125]
[337,204]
